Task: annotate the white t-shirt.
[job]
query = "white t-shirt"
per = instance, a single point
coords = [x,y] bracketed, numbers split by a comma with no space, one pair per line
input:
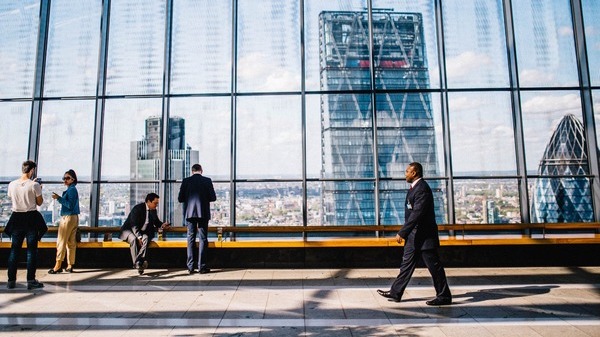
[23,194]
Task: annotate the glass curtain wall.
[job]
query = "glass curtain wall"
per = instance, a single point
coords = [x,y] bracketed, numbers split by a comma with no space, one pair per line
[306,113]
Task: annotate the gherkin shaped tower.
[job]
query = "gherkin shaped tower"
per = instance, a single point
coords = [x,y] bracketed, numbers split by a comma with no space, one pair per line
[564,199]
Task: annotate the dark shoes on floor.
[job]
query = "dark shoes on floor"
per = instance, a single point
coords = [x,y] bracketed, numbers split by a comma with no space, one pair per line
[191,271]
[34,284]
[388,295]
[439,301]
[204,270]
[52,271]
[11,284]
[141,266]
[69,270]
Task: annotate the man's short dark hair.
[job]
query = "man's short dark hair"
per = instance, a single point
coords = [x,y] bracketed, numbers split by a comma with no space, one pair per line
[151,197]
[196,168]
[28,166]
[418,168]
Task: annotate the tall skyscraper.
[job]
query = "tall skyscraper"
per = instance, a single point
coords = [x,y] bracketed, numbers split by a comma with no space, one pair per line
[405,129]
[145,162]
[564,199]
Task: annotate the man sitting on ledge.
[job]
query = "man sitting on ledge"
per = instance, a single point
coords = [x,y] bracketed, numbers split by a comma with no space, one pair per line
[139,230]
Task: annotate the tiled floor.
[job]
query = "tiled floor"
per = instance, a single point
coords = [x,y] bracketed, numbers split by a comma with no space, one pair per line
[304,302]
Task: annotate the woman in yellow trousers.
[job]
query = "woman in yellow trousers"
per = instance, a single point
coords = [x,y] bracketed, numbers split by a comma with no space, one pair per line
[67,228]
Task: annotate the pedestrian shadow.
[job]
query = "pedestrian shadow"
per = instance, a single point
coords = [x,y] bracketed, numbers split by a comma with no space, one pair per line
[503,293]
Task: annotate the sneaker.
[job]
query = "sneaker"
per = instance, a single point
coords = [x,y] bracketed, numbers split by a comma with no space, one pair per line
[11,284]
[34,284]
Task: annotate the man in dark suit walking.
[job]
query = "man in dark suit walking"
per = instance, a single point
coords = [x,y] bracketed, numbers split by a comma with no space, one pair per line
[196,194]
[139,227]
[421,239]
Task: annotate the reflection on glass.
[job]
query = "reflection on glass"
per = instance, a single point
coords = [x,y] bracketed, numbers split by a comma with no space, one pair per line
[201,51]
[268,204]
[73,42]
[545,43]
[136,47]
[66,138]
[566,199]
[482,134]
[219,210]
[474,44]
[269,137]
[268,46]
[348,202]
[19,21]
[542,112]
[591,18]
[207,122]
[486,201]
[14,137]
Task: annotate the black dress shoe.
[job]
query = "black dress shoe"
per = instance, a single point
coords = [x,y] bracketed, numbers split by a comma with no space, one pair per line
[204,270]
[191,271]
[439,301]
[52,271]
[69,270]
[388,295]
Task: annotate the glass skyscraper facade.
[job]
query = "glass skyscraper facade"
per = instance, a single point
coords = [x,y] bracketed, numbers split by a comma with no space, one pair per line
[306,113]
[405,130]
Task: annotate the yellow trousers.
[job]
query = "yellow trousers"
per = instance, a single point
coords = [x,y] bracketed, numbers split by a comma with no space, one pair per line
[66,241]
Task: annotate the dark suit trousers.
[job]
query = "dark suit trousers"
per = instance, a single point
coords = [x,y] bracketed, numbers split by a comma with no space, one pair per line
[407,267]
[193,227]
[138,253]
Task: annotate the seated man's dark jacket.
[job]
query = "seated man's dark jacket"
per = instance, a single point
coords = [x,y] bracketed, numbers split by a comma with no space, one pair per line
[136,219]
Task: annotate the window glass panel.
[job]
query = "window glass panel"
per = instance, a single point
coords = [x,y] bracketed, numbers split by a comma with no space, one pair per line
[416,61]
[482,134]
[567,199]
[205,127]
[315,45]
[269,204]
[5,206]
[14,137]
[339,136]
[596,102]
[136,47]
[479,201]
[591,18]
[50,208]
[409,130]
[116,201]
[19,21]
[132,139]
[475,44]
[553,129]
[268,46]
[348,203]
[73,42]
[219,209]
[392,197]
[201,51]
[544,41]
[269,137]
[66,139]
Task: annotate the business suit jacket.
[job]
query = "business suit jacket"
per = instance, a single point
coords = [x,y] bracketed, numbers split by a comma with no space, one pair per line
[135,221]
[420,229]
[196,194]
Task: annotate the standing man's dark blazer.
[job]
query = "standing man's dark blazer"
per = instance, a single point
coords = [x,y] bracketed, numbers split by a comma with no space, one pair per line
[420,229]
[196,193]
[136,219]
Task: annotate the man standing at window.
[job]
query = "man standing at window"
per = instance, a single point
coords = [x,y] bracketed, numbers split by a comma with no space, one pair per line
[196,194]
[139,230]
[422,239]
